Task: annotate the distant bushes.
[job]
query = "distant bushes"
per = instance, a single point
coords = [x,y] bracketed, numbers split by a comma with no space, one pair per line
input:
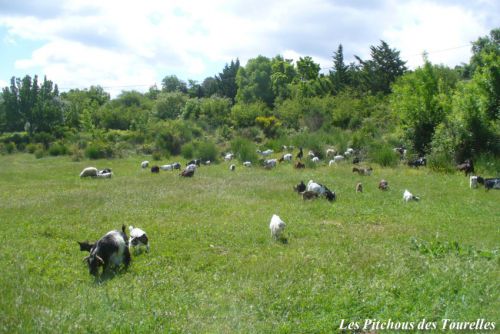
[384,156]
[98,150]
[244,150]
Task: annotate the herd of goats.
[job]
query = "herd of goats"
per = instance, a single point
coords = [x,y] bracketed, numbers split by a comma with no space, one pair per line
[113,249]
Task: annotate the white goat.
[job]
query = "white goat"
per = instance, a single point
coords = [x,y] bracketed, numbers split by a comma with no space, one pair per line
[247,164]
[408,196]
[138,238]
[315,159]
[473,182]
[232,167]
[167,167]
[276,226]
[229,156]
[145,164]
[89,172]
[338,158]
[331,152]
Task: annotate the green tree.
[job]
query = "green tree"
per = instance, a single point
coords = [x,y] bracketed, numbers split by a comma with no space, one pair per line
[226,80]
[307,69]
[423,99]
[339,76]
[169,105]
[384,67]
[171,84]
[254,82]
[283,73]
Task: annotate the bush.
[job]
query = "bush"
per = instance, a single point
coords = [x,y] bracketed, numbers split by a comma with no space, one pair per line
[31,148]
[207,151]
[58,149]
[10,147]
[40,153]
[244,150]
[441,162]
[187,151]
[384,156]
[98,150]
[157,155]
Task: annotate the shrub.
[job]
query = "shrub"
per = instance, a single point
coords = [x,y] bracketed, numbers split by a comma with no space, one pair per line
[440,161]
[244,150]
[187,151]
[39,153]
[157,155]
[31,148]
[58,149]
[384,156]
[98,150]
[207,151]
[10,147]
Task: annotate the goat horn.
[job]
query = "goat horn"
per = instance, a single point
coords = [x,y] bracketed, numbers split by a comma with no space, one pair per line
[99,259]
[85,258]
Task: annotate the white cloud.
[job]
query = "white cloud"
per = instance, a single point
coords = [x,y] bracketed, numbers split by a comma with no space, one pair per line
[115,43]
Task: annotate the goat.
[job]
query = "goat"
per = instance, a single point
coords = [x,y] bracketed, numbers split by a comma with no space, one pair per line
[309,195]
[228,156]
[315,160]
[383,185]
[331,152]
[196,162]
[145,164]
[277,226]
[349,152]
[110,250]
[104,175]
[467,167]
[232,167]
[176,165]
[247,164]
[299,165]
[300,154]
[417,162]
[138,238]
[473,180]
[301,187]
[490,183]
[286,157]
[356,160]
[321,190]
[155,169]
[266,152]
[270,163]
[338,158]
[359,187]
[188,171]
[408,196]
[362,171]
[89,172]
[166,167]
[401,151]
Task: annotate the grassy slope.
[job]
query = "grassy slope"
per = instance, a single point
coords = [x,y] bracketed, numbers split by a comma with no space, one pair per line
[213,266]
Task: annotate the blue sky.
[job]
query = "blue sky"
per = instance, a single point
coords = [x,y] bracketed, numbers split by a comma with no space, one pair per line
[133,45]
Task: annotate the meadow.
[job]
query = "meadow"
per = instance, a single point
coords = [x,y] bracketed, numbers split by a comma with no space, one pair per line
[213,266]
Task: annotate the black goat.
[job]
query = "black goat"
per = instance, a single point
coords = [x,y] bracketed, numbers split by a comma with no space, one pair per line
[467,167]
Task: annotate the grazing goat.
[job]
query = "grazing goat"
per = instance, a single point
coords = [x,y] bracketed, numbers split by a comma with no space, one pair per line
[286,157]
[229,156]
[383,185]
[89,172]
[265,153]
[145,164]
[467,167]
[104,175]
[315,160]
[331,152]
[176,165]
[331,163]
[166,167]
[408,196]
[490,183]
[232,167]
[309,195]
[338,158]
[401,151]
[362,171]
[301,187]
[417,162]
[299,165]
[473,181]
[247,164]
[277,226]
[155,169]
[359,187]
[196,162]
[349,152]
[110,250]
[300,154]
[270,163]
[138,238]
[188,171]
[321,190]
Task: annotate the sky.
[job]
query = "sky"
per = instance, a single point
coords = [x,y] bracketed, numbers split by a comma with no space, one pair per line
[125,44]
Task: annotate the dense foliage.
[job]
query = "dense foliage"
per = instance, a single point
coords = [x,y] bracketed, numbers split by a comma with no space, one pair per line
[376,103]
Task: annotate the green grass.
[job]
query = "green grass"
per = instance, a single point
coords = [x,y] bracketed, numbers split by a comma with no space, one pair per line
[213,266]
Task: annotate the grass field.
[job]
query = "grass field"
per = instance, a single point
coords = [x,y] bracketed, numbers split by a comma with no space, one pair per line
[213,266]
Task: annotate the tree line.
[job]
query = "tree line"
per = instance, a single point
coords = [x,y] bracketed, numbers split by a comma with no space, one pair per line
[450,113]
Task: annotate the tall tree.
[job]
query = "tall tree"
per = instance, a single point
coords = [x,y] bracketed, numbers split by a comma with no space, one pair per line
[307,69]
[384,67]
[227,80]
[339,75]
[172,84]
[254,82]
[283,74]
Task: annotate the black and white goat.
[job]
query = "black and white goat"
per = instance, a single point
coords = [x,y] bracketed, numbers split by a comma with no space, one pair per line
[417,162]
[467,167]
[110,250]
[490,183]
[138,238]
[321,190]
